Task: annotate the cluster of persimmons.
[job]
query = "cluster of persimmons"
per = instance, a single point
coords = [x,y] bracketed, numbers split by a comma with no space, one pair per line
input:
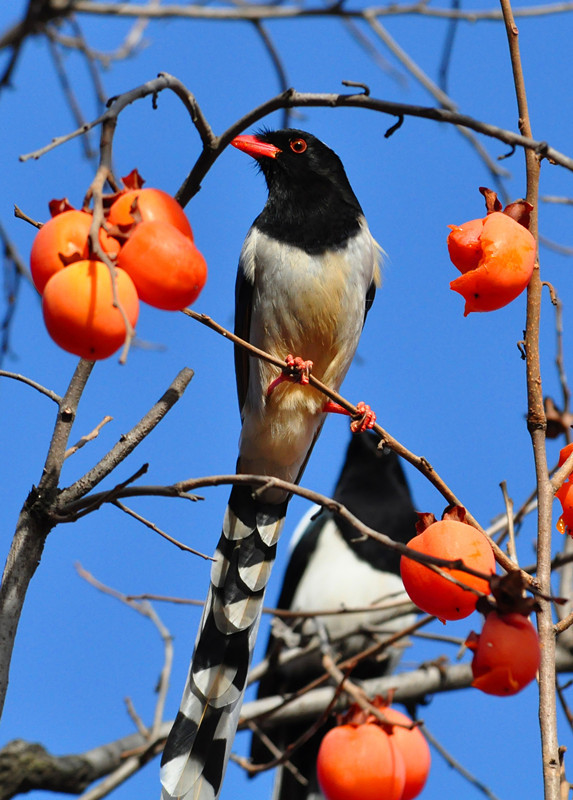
[89,305]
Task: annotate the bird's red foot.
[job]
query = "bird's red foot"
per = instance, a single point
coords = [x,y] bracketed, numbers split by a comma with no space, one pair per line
[363,420]
[296,370]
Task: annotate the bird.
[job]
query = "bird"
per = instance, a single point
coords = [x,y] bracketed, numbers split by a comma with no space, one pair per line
[307,276]
[331,566]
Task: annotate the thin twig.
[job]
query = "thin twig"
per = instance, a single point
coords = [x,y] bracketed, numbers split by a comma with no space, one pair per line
[511,549]
[126,445]
[68,90]
[165,535]
[275,751]
[455,764]
[29,382]
[145,609]
[89,437]
[34,525]
[276,12]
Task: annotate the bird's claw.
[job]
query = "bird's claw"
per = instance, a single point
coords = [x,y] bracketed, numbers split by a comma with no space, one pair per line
[363,420]
[296,370]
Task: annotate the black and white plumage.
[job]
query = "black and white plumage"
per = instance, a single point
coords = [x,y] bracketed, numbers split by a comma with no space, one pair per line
[306,278]
[332,567]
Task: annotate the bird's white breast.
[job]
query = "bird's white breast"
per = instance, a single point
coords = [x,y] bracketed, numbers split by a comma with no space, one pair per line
[310,305]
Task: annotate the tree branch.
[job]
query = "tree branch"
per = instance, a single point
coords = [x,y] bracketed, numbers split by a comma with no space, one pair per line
[537,423]
[33,526]
[126,445]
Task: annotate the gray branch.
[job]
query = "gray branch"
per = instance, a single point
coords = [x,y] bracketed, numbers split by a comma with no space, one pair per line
[25,766]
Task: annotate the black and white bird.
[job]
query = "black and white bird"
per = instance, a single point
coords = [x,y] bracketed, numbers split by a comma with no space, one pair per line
[332,567]
[307,277]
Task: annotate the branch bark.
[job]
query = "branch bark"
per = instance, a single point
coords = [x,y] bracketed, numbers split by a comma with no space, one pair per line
[537,425]
[34,525]
[40,511]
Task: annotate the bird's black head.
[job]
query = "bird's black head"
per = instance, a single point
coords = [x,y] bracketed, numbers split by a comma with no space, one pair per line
[311,203]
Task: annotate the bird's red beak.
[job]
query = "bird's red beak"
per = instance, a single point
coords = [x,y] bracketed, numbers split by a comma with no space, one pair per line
[255,147]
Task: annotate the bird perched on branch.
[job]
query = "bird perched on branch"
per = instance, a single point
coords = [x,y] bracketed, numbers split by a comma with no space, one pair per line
[307,277]
[331,566]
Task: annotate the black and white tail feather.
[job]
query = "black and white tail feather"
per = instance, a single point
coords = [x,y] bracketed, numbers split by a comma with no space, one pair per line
[206,723]
[306,279]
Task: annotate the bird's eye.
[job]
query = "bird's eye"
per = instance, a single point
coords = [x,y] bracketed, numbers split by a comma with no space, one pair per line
[298,145]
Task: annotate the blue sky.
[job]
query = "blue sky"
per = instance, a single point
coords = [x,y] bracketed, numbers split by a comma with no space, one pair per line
[448,387]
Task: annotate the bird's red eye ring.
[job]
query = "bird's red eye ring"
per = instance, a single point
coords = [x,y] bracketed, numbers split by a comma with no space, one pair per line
[298,145]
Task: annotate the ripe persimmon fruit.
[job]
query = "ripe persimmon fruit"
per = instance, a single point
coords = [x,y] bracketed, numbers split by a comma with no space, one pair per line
[61,240]
[464,244]
[79,313]
[496,262]
[360,762]
[434,593]
[166,267]
[565,496]
[414,748]
[506,654]
[152,205]
[564,454]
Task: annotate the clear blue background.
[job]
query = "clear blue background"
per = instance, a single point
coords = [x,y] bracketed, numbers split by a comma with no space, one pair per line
[450,388]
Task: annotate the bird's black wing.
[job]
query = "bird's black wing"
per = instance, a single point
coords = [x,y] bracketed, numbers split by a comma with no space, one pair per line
[243,305]
[370,295]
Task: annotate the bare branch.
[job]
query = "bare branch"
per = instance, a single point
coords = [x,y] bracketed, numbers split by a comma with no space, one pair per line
[29,382]
[254,11]
[213,146]
[165,535]
[68,91]
[537,423]
[34,525]
[455,764]
[27,766]
[89,437]
[126,445]
[145,609]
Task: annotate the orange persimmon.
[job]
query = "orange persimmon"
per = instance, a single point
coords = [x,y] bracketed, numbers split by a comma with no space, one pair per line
[414,749]
[496,263]
[62,240]
[165,266]
[564,454]
[152,205]
[435,594]
[360,762]
[506,654]
[565,496]
[79,313]
[464,244]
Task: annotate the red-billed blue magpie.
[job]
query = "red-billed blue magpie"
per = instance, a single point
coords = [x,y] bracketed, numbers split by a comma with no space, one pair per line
[306,279]
[332,567]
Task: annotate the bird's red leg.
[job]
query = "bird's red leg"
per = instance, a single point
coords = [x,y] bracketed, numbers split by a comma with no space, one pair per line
[363,421]
[296,370]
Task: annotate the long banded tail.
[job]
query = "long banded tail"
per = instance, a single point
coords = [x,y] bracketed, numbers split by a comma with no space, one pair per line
[199,745]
